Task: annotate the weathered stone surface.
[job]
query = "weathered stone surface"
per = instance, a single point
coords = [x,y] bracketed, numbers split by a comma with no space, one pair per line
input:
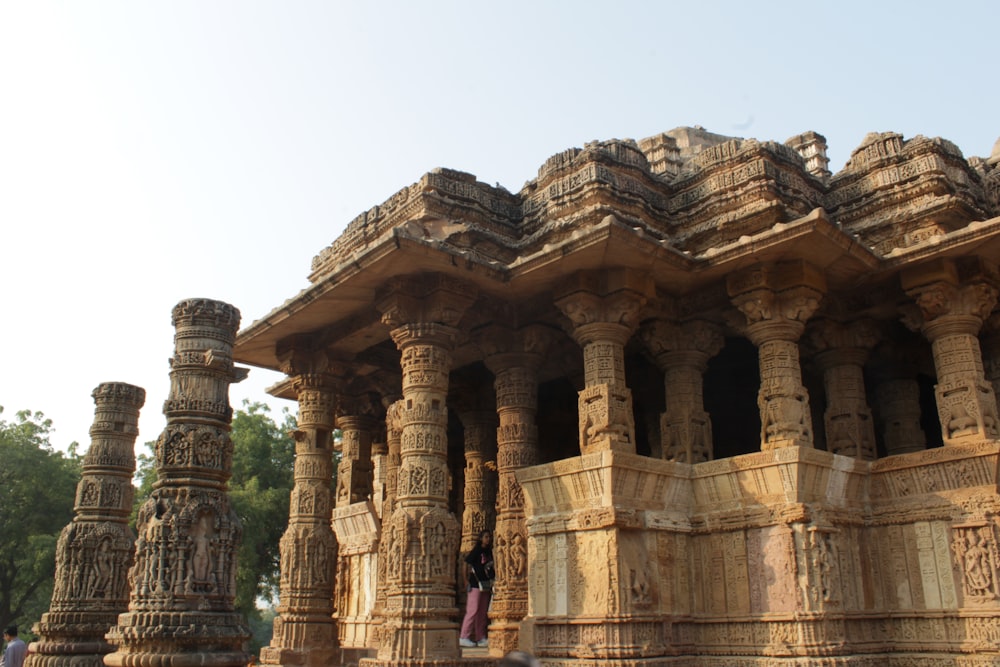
[95,551]
[183,581]
[742,413]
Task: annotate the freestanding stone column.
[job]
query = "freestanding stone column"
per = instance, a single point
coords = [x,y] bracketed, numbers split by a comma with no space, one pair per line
[604,310]
[841,351]
[682,352]
[184,577]
[776,301]
[304,631]
[95,551]
[950,312]
[514,359]
[422,535]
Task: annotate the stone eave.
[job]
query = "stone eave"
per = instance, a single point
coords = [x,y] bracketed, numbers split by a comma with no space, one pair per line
[349,291]
[981,238]
[813,238]
[607,244]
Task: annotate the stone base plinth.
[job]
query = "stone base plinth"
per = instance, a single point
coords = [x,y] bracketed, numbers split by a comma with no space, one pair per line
[455,662]
[351,657]
[314,657]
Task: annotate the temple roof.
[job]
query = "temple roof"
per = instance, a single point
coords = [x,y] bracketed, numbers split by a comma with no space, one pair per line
[688,206]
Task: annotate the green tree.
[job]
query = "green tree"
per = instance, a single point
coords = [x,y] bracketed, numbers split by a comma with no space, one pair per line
[263,469]
[37,489]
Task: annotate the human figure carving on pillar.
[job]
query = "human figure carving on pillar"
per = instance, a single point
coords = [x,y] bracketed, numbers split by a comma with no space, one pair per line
[304,631]
[184,578]
[952,302]
[776,301]
[840,352]
[96,549]
[514,357]
[422,535]
[682,352]
[604,310]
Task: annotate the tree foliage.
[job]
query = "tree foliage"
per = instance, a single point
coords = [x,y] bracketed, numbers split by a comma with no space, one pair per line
[37,490]
[263,469]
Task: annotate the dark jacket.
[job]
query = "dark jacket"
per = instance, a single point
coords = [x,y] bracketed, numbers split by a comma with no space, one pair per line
[481,560]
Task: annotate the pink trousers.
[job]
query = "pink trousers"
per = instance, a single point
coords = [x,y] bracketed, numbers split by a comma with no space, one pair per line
[476,606]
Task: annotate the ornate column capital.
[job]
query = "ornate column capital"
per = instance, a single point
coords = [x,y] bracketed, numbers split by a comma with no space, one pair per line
[614,297]
[836,343]
[942,309]
[776,300]
[667,341]
[950,297]
[427,298]
[503,347]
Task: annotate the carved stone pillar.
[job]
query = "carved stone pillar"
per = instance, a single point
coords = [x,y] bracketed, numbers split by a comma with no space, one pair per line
[682,352]
[604,310]
[184,578]
[514,358]
[422,535]
[898,401]
[393,435]
[776,301]
[354,474]
[95,551]
[356,523]
[304,631]
[950,310]
[840,353]
[479,495]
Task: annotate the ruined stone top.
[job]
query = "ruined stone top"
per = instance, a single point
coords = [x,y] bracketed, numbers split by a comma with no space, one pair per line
[693,190]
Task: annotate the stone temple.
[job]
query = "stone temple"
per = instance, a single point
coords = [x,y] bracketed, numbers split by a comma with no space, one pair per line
[720,406]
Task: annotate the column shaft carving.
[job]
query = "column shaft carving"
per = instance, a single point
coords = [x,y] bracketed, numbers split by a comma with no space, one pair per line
[604,309]
[898,401]
[776,301]
[354,474]
[422,536]
[682,352]
[841,351]
[480,482]
[95,551]
[393,436]
[950,312]
[516,385]
[184,578]
[304,631]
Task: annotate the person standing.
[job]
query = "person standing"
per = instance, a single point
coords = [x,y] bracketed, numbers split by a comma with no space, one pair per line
[480,575]
[13,655]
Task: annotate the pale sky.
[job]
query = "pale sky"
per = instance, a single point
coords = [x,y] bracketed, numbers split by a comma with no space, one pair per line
[156,151]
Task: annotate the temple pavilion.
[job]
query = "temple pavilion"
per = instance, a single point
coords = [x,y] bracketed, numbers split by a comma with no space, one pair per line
[719,406]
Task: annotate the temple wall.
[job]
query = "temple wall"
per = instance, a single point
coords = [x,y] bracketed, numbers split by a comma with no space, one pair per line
[794,555]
